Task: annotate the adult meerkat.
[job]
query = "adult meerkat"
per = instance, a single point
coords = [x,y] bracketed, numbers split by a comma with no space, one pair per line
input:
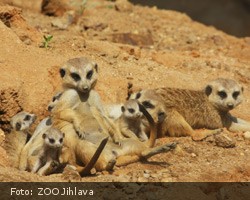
[49,152]
[79,76]
[19,135]
[188,109]
[130,122]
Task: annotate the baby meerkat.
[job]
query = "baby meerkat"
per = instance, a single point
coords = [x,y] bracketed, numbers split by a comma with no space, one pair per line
[19,136]
[130,122]
[49,152]
[188,109]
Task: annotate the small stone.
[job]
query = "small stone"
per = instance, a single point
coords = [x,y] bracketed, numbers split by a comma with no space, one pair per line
[146,175]
[2,137]
[246,135]
[223,140]
[150,69]
[193,155]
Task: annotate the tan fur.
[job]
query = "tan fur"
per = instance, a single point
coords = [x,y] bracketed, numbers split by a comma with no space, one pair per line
[188,109]
[48,154]
[130,122]
[17,138]
[81,106]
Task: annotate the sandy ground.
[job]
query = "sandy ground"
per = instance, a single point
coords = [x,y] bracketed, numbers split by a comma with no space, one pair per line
[150,48]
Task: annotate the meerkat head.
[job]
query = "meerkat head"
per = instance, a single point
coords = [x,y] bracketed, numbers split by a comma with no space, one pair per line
[53,138]
[131,109]
[22,121]
[80,74]
[54,101]
[152,103]
[224,94]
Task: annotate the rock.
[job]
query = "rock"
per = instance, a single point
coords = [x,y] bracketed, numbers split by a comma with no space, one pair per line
[223,140]
[123,6]
[246,135]
[2,137]
[136,39]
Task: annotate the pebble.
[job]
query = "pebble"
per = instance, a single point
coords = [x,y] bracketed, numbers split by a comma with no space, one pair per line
[246,135]
[223,140]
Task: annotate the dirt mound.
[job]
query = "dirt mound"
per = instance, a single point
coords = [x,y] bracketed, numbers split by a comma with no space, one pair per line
[146,46]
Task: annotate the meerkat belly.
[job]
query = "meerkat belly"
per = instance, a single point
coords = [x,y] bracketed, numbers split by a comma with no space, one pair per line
[131,147]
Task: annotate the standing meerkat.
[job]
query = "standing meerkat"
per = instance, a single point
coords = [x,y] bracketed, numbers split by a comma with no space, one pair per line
[19,135]
[130,122]
[188,109]
[79,76]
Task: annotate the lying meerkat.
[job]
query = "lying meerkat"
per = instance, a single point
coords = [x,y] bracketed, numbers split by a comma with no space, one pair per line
[19,135]
[130,122]
[49,152]
[188,109]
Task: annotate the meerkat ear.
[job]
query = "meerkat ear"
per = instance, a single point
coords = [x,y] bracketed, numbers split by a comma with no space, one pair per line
[48,122]
[62,72]
[63,135]
[208,90]
[138,95]
[96,67]
[18,126]
[161,117]
[44,135]
[242,89]
[123,109]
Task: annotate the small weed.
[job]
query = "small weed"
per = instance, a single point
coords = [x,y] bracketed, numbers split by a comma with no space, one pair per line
[46,41]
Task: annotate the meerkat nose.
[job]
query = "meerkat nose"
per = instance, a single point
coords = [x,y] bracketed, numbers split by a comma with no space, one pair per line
[230,105]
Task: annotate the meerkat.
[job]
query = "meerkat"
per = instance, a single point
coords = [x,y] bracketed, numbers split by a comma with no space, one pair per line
[79,76]
[19,136]
[49,152]
[130,122]
[76,151]
[188,109]
[80,106]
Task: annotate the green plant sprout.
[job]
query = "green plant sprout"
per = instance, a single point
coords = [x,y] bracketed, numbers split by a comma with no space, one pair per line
[47,40]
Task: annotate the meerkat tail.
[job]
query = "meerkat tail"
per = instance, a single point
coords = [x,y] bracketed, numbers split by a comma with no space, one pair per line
[153,128]
[95,157]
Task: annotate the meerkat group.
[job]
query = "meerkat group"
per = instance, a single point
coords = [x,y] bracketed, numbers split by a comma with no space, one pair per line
[83,132]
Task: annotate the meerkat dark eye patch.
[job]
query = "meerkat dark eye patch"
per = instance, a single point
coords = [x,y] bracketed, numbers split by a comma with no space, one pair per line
[208,90]
[89,74]
[138,95]
[61,140]
[18,126]
[27,118]
[222,94]
[75,76]
[51,140]
[62,73]
[147,104]
[236,94]
[123,109]
[131,110]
